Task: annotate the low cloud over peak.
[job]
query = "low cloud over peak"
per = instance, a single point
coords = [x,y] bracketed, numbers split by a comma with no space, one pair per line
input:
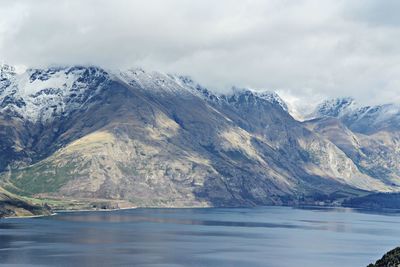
[302,49]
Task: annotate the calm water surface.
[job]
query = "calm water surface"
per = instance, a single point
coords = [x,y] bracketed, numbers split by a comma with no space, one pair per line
[270,236]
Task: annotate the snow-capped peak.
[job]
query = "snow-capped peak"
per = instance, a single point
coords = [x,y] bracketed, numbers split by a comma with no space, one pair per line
[336,107]
[156,82]
[6,70]
[265,95]
[273,98]
[364,119]
[373,118]
[7,74]
[39,95]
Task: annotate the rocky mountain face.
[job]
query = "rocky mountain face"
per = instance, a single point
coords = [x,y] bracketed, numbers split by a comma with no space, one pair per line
[163,140]
[390,259]
[370,136]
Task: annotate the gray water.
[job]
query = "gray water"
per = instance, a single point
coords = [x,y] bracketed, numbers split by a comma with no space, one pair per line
[270,236]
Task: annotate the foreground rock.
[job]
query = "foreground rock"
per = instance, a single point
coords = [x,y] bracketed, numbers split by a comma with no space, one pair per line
[390,259]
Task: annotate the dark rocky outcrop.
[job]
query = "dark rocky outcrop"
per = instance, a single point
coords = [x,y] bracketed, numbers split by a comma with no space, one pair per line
[390,259]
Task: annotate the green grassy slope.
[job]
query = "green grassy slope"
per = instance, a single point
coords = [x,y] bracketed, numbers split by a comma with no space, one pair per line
[12,205]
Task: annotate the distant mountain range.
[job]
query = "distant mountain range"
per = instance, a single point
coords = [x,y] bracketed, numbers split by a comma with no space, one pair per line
[155,139]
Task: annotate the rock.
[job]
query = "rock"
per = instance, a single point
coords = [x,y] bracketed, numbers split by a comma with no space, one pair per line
[390,259]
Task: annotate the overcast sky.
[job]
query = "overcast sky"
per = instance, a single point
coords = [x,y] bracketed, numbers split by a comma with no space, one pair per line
[305,50]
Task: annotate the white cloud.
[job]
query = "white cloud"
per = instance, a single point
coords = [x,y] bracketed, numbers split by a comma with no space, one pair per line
[302,49]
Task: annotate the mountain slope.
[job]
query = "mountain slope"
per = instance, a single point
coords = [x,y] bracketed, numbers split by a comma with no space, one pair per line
[368,135]
[162,140]
[11,205]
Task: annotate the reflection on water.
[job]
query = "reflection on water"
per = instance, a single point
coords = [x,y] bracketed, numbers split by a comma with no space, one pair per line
[271,236]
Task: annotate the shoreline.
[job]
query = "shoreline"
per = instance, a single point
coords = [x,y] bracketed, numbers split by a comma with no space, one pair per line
[83,210]
[56,212]
[28,217]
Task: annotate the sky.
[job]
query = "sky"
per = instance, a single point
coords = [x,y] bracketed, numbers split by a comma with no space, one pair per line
[306,50]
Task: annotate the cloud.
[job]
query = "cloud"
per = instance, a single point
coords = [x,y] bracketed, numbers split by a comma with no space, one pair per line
[305,49]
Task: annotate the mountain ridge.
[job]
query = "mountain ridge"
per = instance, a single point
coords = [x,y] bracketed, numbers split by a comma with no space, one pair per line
[359,118]
[163,140]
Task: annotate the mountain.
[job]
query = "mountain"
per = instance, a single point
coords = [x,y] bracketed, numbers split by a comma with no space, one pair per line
[337,107]
[156,139]
[370,136]
[360,119]
[11,205]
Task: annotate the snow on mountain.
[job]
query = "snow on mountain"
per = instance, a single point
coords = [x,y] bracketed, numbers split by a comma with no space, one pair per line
[197,89]
[370,119]
[273,98]
[168,83]
[364,119]
[157,82]
[39,95]
[183,140]
[334,107]
[244,94]
[6,72]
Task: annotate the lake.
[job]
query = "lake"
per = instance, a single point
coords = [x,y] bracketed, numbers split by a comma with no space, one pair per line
[267,236]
